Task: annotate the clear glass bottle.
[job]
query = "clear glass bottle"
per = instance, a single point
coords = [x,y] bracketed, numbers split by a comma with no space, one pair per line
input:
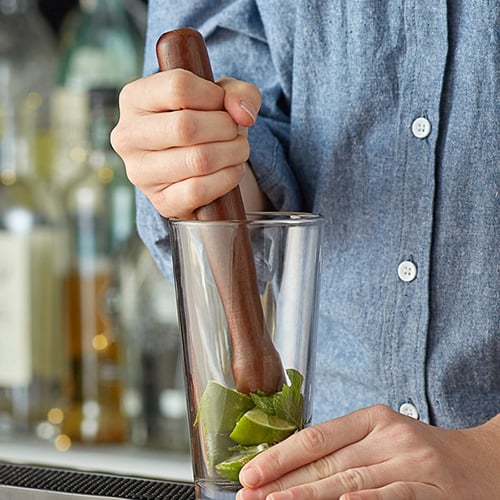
[29,45]
[100,207]
[146,317]
[101,46]
[31,264]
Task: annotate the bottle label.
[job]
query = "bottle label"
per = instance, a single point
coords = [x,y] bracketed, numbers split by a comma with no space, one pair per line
[29,330]
[15,310]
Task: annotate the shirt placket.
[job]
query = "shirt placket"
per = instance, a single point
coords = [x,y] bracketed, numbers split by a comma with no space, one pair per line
[407,306]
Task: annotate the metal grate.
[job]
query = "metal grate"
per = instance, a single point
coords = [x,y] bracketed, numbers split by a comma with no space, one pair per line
[92,483]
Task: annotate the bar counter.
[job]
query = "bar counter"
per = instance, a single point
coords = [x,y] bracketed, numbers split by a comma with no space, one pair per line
[34,470]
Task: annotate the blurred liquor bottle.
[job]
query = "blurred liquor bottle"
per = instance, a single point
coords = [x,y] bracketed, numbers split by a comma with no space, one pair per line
[145,314]
[28,44]
[101,45]
[31,265]
[100,208]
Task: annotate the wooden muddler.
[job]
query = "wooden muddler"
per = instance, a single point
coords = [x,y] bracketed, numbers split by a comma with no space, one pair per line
[255,363]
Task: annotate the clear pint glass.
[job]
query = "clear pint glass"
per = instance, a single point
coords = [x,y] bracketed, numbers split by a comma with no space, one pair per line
[248,374]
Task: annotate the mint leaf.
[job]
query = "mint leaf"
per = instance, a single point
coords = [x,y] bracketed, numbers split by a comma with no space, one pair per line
[289,405]
[265,402]
[286,404]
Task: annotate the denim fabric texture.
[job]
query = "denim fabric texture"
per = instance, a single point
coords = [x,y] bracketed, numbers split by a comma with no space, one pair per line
[342,84]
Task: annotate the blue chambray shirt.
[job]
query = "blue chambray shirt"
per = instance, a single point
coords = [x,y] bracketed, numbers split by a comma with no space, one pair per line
[383,116]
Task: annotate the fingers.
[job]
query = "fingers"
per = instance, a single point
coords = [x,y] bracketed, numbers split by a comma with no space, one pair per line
[377,479]
[332,475]
[384,481]
[390,457]
[353,468]
[176,108]
[180,200]
[398,491]
[183,139]
[159,132]
[366,450]
[179,89]
[170,91]
[156,170]
[330,486]
[180,180]
[241,100]
[314,442]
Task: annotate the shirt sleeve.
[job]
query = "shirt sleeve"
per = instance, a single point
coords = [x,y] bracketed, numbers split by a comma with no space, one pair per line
[238,47]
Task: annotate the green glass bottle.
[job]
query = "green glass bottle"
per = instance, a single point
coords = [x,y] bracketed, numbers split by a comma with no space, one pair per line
[101,47]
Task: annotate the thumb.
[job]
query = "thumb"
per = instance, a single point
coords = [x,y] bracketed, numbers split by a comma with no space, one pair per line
[242,100]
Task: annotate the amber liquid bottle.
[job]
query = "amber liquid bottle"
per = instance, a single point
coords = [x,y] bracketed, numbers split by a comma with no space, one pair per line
[100,207]
[94,385]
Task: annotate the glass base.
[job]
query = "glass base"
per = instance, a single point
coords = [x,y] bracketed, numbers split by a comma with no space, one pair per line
[211,490]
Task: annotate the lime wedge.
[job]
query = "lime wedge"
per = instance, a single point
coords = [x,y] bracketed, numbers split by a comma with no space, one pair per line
[220,408]
[230,468]
[256,427]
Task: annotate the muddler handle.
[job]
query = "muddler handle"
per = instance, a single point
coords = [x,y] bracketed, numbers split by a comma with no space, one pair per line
[256,364]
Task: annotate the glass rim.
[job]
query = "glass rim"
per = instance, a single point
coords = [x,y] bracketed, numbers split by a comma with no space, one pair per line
[257,219]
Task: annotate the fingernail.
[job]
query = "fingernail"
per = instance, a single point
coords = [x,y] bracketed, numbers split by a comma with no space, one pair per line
[250,477]
[249,108]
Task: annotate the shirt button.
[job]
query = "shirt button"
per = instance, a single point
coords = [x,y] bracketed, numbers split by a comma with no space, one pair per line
[409,410]
[421,127]
[407,271]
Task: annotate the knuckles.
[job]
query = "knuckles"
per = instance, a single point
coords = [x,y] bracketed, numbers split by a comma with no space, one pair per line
[184,127]
[198,160]
[119,139]
[315,439]
[180,86]
[178,83]
[166,206]
[188,127]
[128,93]
[135,172]
[353,480]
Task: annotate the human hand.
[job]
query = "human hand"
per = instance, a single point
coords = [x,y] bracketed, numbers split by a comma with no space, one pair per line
[183,139]
[378,454]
